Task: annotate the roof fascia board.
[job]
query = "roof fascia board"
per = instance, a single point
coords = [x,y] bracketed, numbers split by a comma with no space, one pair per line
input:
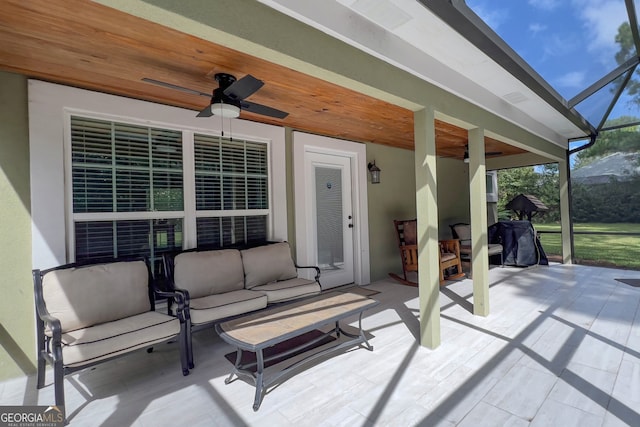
[463,20]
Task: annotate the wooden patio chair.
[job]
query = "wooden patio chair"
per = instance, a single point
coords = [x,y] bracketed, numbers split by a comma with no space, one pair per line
[407,239]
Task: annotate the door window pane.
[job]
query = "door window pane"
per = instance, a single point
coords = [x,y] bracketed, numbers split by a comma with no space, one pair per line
[329,218]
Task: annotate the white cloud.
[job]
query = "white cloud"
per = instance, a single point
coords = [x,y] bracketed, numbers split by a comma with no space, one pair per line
[492,16]
[574,79]
[545,4]
[602,19]
[536,28]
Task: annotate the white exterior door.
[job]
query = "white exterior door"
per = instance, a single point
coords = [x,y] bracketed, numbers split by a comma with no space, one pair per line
[329,202]
[331,217]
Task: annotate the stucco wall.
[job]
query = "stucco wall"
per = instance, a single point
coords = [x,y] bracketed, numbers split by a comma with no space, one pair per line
[395,198]
[16,305]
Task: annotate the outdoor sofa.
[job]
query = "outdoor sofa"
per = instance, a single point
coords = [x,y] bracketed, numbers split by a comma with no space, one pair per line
[222,283]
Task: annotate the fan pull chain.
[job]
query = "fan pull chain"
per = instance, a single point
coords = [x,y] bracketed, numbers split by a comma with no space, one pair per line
[222,125]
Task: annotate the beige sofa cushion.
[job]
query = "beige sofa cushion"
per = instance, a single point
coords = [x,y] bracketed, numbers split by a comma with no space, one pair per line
[289,289]
[98,342]
[86,296]
[269,263]
[214,307]
[208,272]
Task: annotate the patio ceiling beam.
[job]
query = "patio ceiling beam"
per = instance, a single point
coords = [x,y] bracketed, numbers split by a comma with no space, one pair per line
[463,20]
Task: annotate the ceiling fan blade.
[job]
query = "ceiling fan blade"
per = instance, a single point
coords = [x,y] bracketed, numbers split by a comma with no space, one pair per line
[492,153]
[243,88]
[206,112]
[252,107]
[176,87]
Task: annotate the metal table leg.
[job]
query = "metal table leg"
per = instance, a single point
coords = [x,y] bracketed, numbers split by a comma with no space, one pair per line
[259,380]
[361,336]
[236,367]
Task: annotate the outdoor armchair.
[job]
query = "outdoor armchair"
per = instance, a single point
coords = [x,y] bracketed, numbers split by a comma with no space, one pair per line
[87,314]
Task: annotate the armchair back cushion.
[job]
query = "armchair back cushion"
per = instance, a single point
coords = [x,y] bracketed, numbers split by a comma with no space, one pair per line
[463,232]
[206,273]
[85,296]
[266,264]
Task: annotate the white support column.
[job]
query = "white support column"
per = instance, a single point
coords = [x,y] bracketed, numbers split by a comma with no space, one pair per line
[479,240]
[427,211]
[565,212]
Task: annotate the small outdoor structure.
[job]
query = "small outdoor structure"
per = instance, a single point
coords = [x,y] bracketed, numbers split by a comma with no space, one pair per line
[526,206]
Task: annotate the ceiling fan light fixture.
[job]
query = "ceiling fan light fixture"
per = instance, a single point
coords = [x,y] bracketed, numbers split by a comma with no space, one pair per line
[225,110]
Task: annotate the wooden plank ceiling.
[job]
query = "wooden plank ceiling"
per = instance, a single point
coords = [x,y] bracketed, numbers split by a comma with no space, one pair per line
[83,44]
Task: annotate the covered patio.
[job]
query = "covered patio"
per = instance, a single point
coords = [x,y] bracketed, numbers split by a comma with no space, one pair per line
[556,345]
[560,347]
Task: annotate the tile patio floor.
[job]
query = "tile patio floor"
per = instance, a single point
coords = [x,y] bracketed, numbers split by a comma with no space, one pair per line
[561,347]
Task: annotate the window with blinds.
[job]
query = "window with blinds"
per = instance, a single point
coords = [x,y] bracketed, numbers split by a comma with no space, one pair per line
[232,191]
[128,190]
[127,185]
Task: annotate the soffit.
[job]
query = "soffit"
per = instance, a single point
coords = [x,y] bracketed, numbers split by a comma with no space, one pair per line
[407,35]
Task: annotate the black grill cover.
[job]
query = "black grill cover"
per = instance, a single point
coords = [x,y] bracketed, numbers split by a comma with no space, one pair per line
[520,246]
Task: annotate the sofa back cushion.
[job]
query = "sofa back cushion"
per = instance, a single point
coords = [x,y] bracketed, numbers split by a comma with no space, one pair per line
[269,263]
[84,296]
[208,272]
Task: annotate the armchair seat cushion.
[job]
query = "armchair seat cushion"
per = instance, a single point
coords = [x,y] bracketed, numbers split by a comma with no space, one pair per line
[218,306]
[494,249]
[87,345]
[289,289]
[447,257]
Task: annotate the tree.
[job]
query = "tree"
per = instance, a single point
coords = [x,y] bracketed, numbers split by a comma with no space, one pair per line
[624,38]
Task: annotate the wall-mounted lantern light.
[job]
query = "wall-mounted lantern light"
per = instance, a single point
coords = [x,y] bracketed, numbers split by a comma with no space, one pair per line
[375,172]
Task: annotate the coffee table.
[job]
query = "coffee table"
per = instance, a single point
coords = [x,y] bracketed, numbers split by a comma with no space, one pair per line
[260,330]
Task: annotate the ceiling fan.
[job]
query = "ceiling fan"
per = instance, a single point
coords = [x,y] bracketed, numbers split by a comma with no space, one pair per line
[229,98]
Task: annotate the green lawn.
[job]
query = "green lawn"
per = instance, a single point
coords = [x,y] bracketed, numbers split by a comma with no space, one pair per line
[606,250]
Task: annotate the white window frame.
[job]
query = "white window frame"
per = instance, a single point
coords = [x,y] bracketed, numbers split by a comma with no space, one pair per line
[50,108]
[73,217]
[492,197]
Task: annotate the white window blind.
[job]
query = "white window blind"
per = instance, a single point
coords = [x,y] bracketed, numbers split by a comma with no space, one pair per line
[128,190]
[123,178]
[232,191]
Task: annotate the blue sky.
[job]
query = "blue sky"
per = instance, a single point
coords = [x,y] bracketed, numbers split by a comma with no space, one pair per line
[570,43]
